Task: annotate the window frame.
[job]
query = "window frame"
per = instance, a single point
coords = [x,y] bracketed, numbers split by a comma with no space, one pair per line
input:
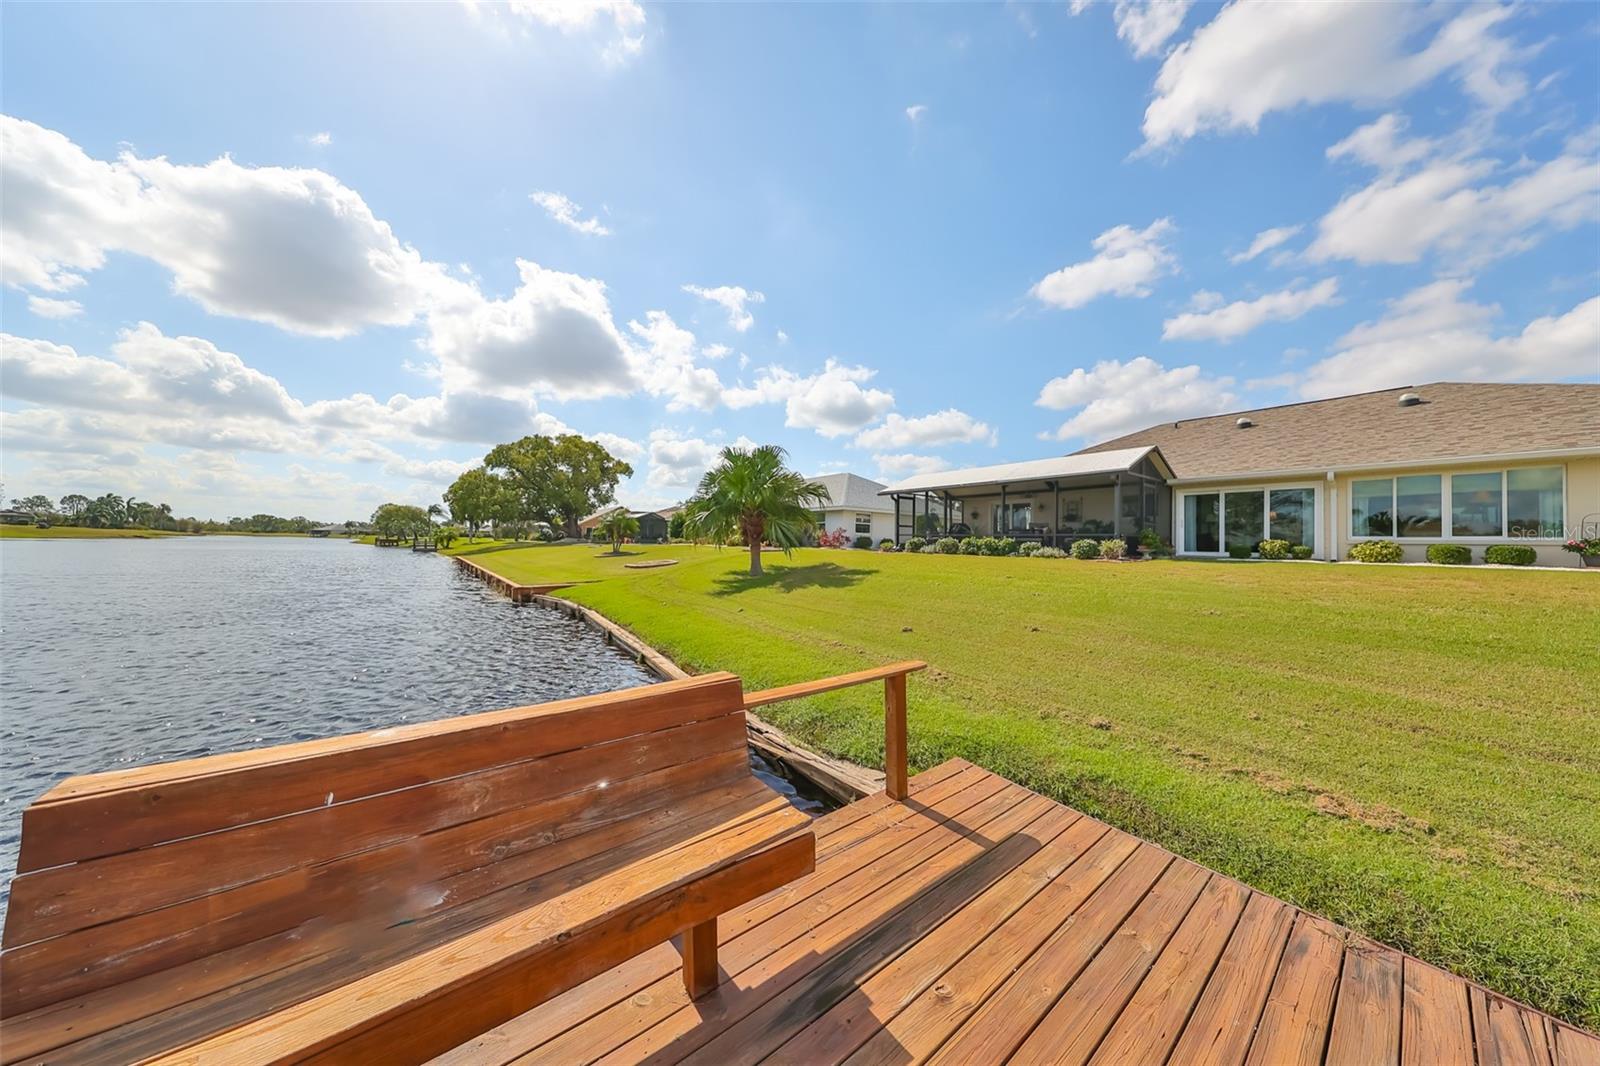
[860,516]
[1447,476]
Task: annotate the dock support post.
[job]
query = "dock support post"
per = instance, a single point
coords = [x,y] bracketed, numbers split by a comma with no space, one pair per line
[700,958]
[894,736]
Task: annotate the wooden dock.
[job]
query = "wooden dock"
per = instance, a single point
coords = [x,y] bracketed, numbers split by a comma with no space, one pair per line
[978,922]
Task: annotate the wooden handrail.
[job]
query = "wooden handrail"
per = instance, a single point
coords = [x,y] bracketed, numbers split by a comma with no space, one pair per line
[893,677]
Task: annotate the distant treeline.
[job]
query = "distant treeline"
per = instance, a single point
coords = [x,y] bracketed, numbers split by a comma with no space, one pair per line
[115,512]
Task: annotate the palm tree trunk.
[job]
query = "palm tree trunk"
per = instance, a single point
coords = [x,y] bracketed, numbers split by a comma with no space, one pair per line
[755,558]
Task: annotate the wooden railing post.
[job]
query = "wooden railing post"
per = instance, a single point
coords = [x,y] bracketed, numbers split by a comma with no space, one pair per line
[894,736]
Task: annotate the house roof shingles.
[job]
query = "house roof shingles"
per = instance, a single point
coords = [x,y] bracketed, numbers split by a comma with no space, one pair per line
[1454,420]
[852,492]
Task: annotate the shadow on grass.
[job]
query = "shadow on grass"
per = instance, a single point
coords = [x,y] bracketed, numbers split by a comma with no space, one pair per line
[788,578]
[616,555]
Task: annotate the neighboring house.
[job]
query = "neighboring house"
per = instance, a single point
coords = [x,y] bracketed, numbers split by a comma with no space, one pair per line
[1462,463]
[855,505]
[16,518]
[652,524]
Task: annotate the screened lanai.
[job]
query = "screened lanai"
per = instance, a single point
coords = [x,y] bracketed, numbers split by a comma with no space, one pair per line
[1052,501]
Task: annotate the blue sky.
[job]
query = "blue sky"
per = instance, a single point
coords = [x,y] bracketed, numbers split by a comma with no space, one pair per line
[307,259]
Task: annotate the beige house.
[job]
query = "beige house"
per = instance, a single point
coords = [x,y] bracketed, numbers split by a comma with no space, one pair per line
[1460,463]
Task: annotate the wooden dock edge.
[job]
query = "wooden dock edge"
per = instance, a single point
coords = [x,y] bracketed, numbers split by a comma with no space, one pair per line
[844,781]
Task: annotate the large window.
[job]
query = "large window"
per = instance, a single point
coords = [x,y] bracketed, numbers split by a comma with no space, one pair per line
[1291,515]
[1475,505]
[1243,514]
[863,523]
[1419,505]
[1372,508]
[1202,523]
[1526,502]
[1533,502]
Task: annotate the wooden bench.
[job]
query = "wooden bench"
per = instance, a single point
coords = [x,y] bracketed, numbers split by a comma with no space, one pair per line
[385,896]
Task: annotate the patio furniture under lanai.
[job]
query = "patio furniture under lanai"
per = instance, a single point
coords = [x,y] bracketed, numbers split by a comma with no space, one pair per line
[1052,501]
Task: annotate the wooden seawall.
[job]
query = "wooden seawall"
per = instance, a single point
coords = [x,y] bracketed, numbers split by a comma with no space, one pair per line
[518,593]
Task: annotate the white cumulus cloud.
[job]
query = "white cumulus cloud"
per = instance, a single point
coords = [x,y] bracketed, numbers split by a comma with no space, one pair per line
[1147,25]
[1261,56]
[734,299]
[1434,332]
[1266,241]
[561,209]
[1113,397]
[949,426]
[1126,262]
[1234,320]
[48,307]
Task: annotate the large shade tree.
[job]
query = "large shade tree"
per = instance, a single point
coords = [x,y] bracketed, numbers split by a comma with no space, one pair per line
[754,495]
[558,479]
[479,497]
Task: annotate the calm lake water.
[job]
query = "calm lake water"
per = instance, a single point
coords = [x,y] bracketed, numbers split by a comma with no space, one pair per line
[123,652]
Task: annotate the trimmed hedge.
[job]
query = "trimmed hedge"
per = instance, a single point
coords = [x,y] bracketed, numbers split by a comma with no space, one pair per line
[1085,549]
[947,546]
[1376,551]
[915,544]
[1239,551]
[1049,553]
[1300,551]
[1449,554]
[864,541]
[1274,549]
[1029,548]
[1510,555]
[1115,548]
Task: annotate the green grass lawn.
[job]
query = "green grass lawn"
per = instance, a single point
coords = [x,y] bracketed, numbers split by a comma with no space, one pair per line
[80,533]
[1414,752]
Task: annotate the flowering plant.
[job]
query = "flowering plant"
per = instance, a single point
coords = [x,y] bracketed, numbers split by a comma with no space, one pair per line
[1583,545]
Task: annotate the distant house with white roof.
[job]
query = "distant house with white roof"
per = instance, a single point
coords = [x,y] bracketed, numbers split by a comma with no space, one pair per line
[854,506]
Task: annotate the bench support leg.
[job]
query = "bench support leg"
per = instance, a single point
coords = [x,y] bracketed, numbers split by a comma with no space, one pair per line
[700,958]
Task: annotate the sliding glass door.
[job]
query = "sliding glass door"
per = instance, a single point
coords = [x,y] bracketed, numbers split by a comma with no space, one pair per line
[1243,518]
[1202,523]
[1214,522]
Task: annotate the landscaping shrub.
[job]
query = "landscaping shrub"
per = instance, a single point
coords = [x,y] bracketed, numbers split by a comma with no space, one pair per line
[1449,554]
[1510,555]
[1149,540]
[971,546]
[1029,548]
[864,541]
[915,544]
[947,546]
[837,539]
[1274,549]
[930,549]
[1049,553]
[1006,546]
[1114,548]
[1300,551]
[887,545]
[1376,551]
[1085,549]
[1238,551]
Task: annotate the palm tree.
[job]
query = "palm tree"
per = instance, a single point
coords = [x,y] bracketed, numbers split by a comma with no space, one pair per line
[752,494]
[617,527]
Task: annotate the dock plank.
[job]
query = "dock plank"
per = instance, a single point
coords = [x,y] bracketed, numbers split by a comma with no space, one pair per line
[1366,1016]
[978,922]
[1436,1023]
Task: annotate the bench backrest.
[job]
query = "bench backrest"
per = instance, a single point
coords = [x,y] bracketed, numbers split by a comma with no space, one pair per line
[129,873]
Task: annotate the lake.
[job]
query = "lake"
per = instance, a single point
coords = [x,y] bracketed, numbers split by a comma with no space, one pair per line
[124,652]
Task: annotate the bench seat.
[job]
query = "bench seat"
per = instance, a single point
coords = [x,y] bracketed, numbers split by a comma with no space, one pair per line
[439,897]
